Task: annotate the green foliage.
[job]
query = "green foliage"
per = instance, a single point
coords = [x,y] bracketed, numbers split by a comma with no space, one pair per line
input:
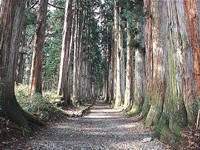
[30,16]
[198,102]
[134,111]
[41,106]
[164,133]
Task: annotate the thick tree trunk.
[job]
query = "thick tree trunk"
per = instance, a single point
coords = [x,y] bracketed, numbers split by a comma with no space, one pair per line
[139,85]
[138,82]
[192,17]
[35,84]
[172,63]
[148,59]
[159,73]
[11,16]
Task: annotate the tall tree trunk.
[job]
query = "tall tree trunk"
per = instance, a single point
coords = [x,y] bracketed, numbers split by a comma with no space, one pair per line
[119,48]
[68,80]
[128,94]
[159,70]
[81,23]
[11,16]
[85,79]
[107,64]
[108,67]
[35,84]
[65,53]
[115,51]
[89,90]
[139,86]
[148,59]
[192,17]
[122,62]
[75,63]
[138,82]
[122,70]
[112,71]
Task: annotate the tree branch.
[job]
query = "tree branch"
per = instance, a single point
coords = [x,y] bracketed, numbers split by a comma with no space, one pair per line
[34,4]
[55,6]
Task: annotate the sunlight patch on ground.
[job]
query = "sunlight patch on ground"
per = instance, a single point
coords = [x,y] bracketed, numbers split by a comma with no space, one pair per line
[101,117]
[104,111]
[127,126]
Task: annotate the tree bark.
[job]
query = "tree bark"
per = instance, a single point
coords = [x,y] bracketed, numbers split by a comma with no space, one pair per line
[119,48]
[128,91]
[192,17]
[35,85]
[20,71]
[20,58]
[139,86]
[81,22]
[172,61]
[65,53]
[75,63]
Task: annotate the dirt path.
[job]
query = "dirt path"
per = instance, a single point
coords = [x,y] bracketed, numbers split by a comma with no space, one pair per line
[103,128]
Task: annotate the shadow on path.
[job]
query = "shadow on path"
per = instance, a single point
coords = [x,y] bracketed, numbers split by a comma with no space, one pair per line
[102,128]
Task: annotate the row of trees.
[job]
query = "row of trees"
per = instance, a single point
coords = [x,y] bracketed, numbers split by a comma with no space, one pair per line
[80,34]
[80,72]
[161,79]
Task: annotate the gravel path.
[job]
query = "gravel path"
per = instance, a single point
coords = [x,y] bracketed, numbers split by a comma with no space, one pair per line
[103,128]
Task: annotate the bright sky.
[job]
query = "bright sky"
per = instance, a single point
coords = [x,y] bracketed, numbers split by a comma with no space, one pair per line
[102,1]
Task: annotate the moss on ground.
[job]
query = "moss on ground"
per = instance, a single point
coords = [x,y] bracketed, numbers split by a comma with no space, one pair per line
[134,111]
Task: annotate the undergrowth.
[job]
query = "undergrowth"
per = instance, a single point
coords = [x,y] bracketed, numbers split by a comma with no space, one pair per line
[42,106]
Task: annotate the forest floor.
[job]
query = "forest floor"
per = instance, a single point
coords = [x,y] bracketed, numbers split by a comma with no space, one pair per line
[101,128]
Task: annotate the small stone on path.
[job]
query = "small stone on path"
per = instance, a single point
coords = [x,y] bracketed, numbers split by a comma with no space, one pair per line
[148,139]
